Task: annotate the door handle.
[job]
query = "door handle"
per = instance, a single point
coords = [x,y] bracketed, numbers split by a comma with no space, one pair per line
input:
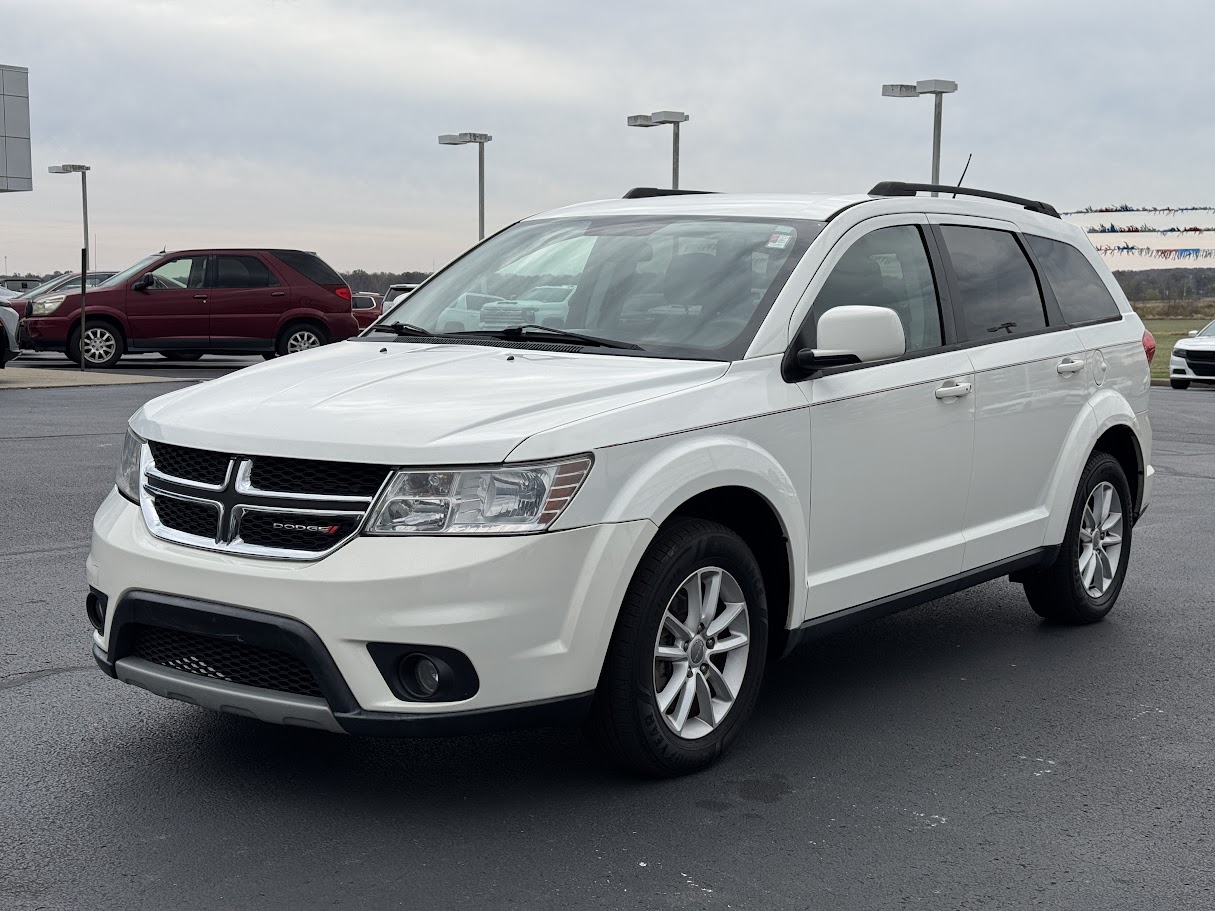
[200,297]
[1069,365]
[277,293]
[953,390]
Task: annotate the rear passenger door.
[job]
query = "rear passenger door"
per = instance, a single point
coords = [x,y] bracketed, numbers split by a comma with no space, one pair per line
[1030,386]
[890,442]
[247,299]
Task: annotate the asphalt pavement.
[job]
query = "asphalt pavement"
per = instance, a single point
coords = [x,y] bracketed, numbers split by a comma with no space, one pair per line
[960,755]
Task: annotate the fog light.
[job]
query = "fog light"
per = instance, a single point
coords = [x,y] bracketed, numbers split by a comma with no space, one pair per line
[420,676]
[426,675]
[95,607]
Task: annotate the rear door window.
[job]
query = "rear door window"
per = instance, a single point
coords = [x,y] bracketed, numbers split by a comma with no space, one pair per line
[1082,295]
[997,286]
[233,271]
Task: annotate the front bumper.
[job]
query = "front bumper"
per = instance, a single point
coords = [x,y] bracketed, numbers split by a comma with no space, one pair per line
[44,333]
[1182,369]
[533,614]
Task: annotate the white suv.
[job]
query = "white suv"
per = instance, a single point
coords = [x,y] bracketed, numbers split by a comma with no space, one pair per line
[763,418]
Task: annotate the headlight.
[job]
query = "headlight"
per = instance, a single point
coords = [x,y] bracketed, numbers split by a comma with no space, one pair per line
[47,305]
[483,501]
[128,467]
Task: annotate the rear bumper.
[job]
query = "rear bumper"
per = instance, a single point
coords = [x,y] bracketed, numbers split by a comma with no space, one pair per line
[337,711]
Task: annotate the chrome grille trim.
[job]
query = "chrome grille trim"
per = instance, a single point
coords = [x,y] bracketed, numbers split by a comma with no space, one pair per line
[227,499]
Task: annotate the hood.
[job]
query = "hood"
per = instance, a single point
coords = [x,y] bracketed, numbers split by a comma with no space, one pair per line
[400,403]
[1197,343]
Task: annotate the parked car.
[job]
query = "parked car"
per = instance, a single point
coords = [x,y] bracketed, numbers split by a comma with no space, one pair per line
[765,418]
[6,294]
[394,292]
[1193,358]
[367,307]
[465,312]
[9,348]
[50,287]
[546,305]
[192,302]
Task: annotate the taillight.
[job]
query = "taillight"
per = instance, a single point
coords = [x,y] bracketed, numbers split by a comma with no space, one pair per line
[343,292]
[1149,345]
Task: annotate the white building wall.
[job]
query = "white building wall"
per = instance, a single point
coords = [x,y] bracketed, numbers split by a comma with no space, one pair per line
[16,170]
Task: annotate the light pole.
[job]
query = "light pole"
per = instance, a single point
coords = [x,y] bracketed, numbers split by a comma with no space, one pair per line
[460,139]
[83,171]
[939,88]
[674,118]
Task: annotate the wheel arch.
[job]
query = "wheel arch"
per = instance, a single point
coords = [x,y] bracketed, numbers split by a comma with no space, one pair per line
[1110,425]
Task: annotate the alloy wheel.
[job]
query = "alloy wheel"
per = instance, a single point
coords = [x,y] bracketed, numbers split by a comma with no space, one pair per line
[98,345]
[1100,539]
[302,340]
[700,654]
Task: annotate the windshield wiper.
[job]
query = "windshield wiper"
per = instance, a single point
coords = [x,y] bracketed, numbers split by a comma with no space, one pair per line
[399,328]
[521,332]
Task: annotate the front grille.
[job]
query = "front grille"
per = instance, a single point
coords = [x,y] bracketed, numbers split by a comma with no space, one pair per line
[1202,363]
[223,659]
[198,465]
[187,516]
[313,532]
[329,479]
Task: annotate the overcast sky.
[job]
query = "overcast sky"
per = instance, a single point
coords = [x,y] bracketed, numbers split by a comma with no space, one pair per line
[313,123]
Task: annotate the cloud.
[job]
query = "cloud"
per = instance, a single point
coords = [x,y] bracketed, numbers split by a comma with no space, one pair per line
[313,123]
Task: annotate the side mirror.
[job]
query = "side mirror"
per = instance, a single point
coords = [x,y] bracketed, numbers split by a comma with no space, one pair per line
[1192,333]
[143,283]
[854,335]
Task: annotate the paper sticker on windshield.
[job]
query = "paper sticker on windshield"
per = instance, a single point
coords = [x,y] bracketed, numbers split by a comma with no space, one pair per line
[779,241]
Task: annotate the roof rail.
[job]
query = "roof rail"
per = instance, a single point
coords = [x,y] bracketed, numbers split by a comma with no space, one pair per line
[647,192]
[898,188]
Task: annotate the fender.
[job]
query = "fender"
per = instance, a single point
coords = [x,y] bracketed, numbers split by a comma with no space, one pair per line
[1104,410]
[114,316]
[651,479]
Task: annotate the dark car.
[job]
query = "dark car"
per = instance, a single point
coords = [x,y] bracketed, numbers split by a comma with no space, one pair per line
[367,307]
[194,302]
[60,284]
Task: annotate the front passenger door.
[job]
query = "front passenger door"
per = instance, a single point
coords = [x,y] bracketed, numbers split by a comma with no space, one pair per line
[172,312]
[890,442]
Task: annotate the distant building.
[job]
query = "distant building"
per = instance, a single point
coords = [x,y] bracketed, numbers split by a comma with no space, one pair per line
[20,284]
[16,171]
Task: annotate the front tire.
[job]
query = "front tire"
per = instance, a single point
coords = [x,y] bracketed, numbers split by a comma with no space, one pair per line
[1180,384]
[103,345]
[1083,583]
[684,665]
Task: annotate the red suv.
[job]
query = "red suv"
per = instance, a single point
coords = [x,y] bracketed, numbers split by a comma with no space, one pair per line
[195,302]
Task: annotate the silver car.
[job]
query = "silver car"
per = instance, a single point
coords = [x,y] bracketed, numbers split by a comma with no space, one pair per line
[8,337]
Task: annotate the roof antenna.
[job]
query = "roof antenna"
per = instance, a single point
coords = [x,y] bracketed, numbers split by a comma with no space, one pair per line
[166,246]
[964,170]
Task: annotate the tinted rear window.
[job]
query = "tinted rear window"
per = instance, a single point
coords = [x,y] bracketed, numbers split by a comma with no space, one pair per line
[1081,293]
[999,291]
[310,266]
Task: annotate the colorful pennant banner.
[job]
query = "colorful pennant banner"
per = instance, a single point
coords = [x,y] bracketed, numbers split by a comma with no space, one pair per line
[1153,253]
[1156,210]
[1144,229]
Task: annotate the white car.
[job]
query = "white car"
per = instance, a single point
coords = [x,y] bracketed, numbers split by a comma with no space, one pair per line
[9,348]
[1193,358]
[546,305]
[765,418]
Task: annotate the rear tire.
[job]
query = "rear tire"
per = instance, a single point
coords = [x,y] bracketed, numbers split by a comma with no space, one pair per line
[1083,583]
[1180,384]
[104,344]
[300,336]
[677,687]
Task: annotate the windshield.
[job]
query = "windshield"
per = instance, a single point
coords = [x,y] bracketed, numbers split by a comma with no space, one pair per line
[130,271]
[678,286]
[1208,331]
[49,285]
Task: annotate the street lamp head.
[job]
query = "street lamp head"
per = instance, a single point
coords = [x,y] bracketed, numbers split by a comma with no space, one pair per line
[640,120]
[669,117]
[899,91]
[460,139]
[67,168]
[936,87]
